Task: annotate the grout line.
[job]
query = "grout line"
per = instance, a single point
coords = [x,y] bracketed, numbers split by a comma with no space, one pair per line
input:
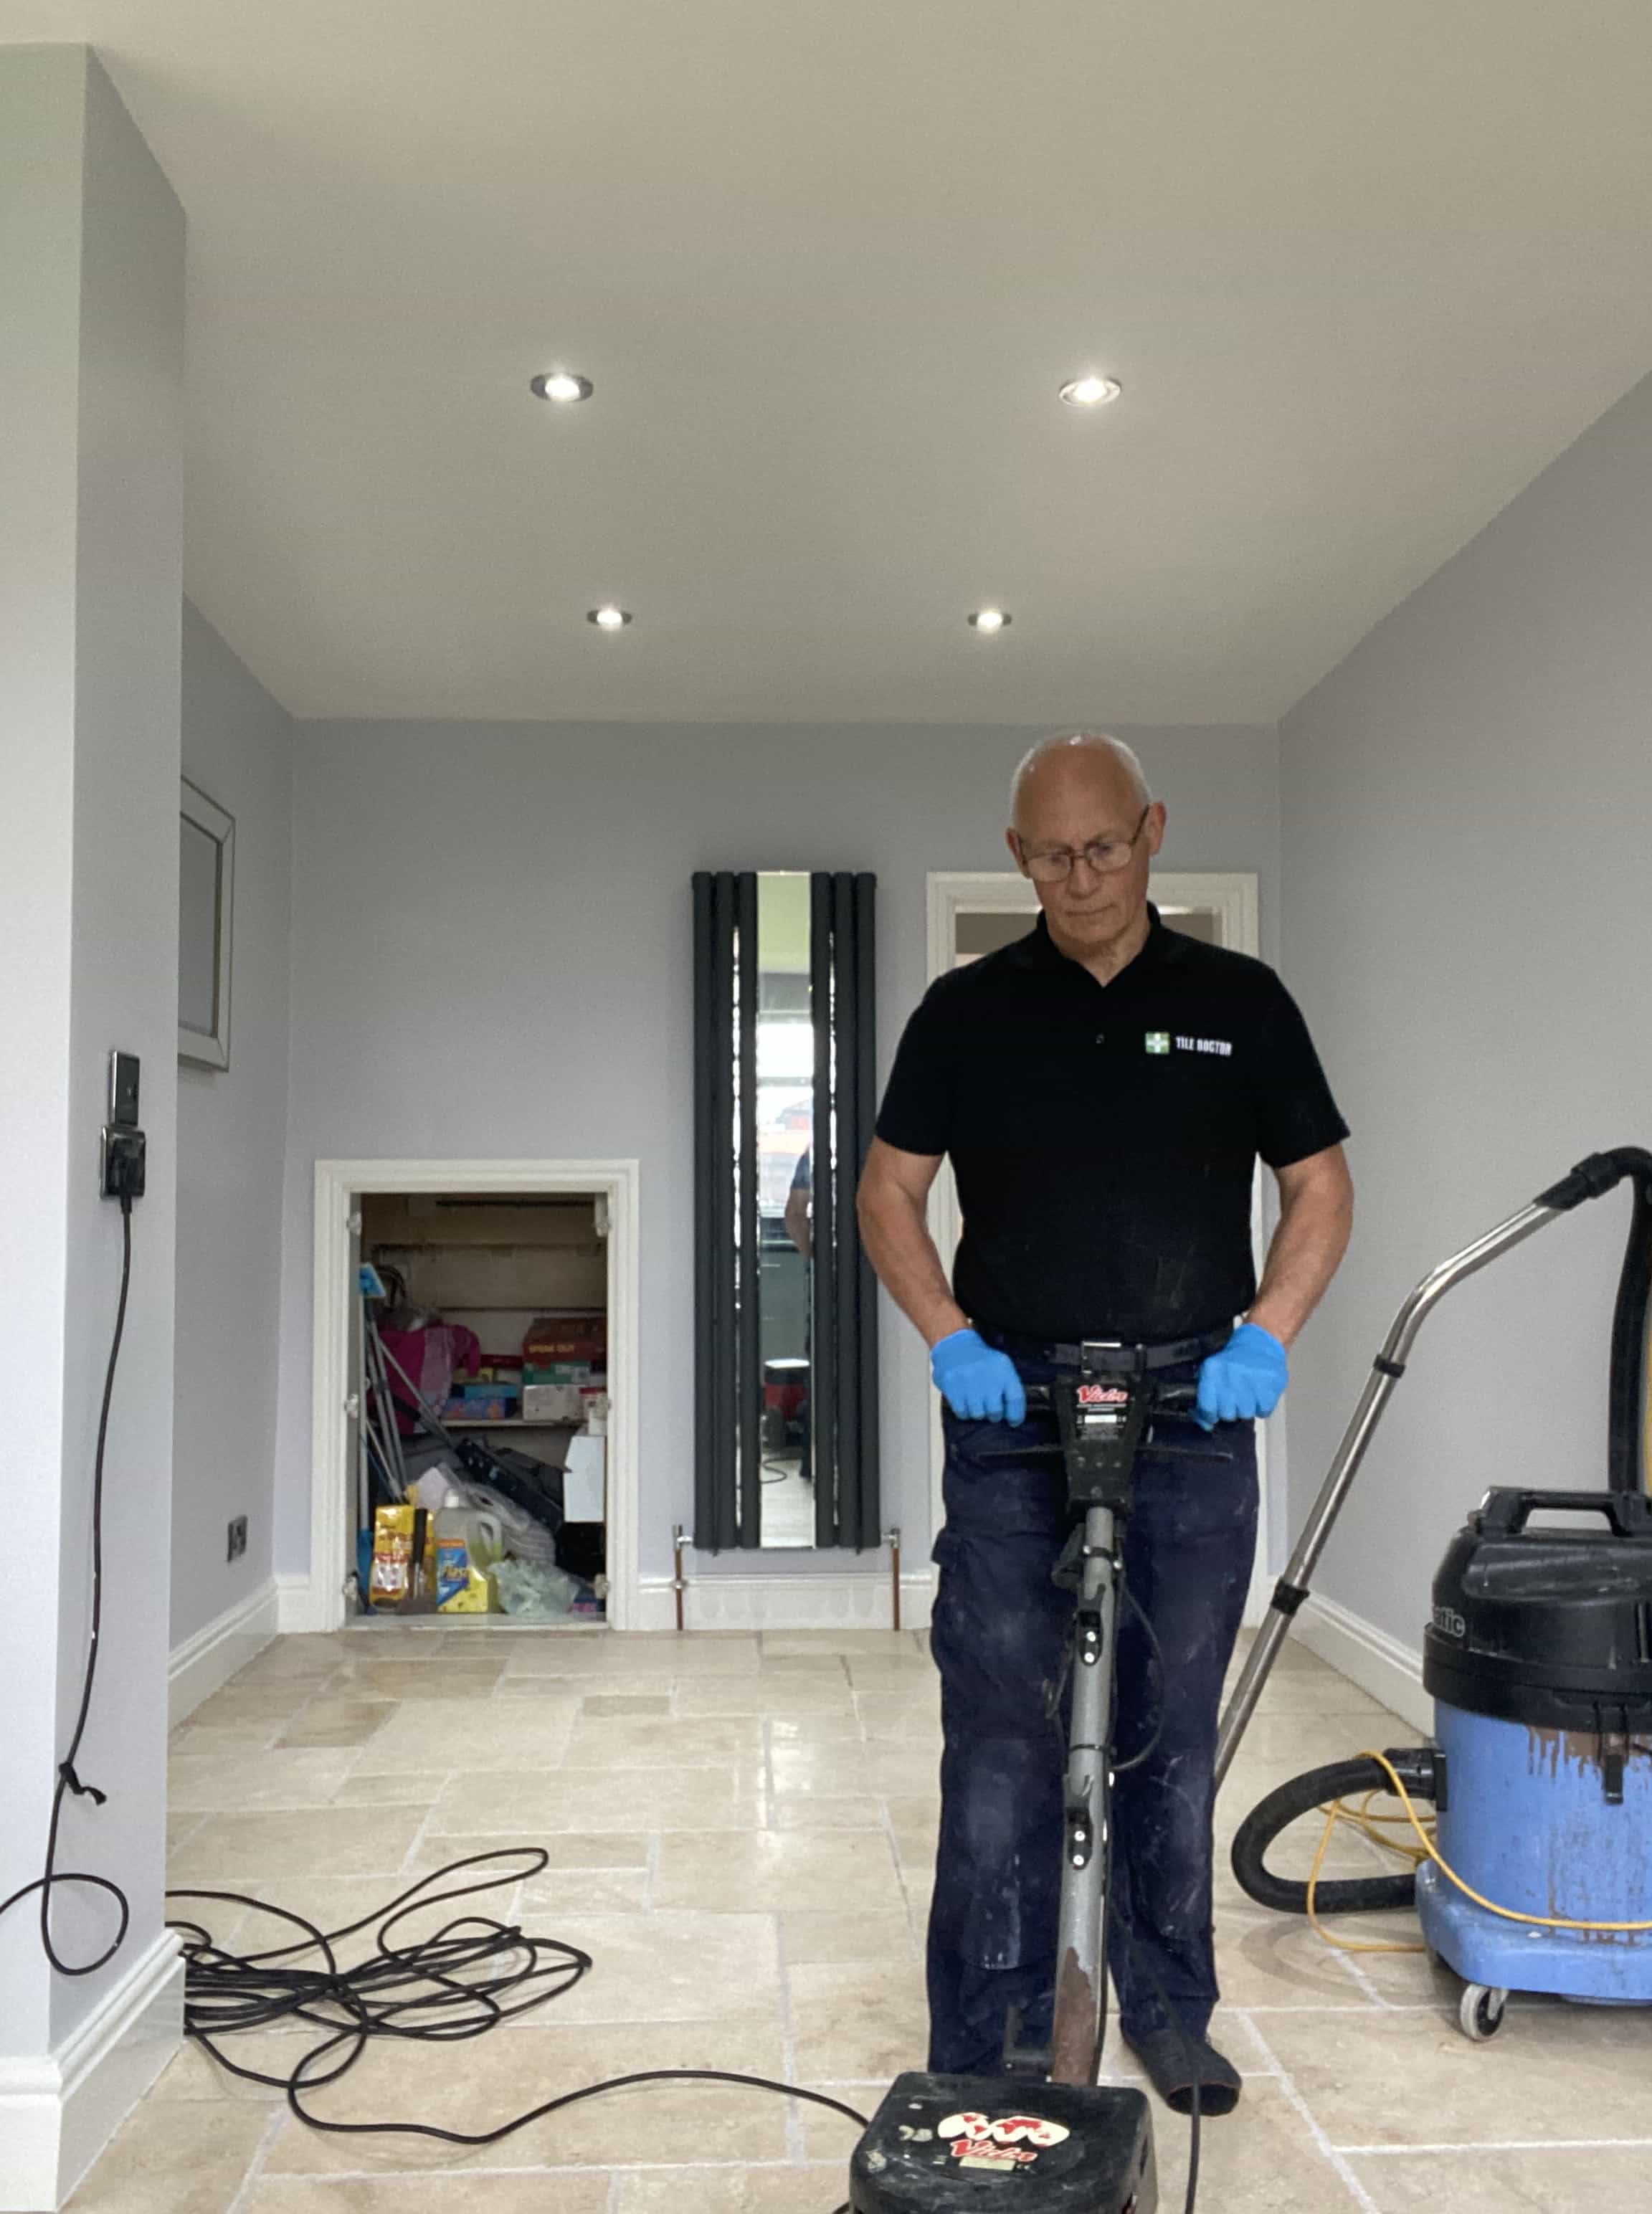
[178,1844]
[796,2145]
[919,1928]
[261,2152]
[1350,2013]
[588,2169]
[1361,1978]
[421,1834]
[770,1810]
[1361,2197]
[1500,2144]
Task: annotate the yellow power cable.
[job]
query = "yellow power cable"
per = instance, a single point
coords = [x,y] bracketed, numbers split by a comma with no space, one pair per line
[1372,1825]
[1431,1852]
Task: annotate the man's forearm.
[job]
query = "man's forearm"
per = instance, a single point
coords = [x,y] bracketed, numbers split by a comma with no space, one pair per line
[1306,1251]
[895,1234]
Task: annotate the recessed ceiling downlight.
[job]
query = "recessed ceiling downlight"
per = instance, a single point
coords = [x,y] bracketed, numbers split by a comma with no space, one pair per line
[609,617]
[561,384]
[989,619]
[1091,391]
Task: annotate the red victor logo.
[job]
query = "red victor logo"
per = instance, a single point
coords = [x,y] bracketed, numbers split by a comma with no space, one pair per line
[1103,1395]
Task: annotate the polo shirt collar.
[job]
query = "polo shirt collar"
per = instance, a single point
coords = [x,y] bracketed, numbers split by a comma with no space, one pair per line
[1038,950]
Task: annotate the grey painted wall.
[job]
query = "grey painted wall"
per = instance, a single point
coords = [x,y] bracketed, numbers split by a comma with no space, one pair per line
[1468,918]
[93,248]
[238,747]
[492,957]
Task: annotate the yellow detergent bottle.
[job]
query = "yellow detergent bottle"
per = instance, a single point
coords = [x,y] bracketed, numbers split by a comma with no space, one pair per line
[467,1541]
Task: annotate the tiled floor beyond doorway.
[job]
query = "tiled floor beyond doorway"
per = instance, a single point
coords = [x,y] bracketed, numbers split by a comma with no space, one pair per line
[740,1831]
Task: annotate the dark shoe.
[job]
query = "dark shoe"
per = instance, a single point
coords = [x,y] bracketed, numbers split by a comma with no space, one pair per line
[1175,2060]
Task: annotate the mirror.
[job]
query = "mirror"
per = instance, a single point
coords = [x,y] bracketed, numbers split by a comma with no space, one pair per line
[786,1388]
[785,1116]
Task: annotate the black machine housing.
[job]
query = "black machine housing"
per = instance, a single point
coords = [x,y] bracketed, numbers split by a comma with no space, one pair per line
[968,2144]
[1551,1626]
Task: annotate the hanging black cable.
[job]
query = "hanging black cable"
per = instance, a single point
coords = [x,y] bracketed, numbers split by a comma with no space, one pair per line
[68,1779]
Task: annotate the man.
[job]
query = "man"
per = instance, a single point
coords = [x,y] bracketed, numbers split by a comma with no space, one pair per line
[1103,1087]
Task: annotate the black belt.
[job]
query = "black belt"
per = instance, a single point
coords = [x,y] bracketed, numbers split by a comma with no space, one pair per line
[1107,1356]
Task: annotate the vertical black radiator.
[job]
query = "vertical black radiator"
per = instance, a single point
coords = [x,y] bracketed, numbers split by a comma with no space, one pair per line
[717,1306]
[845,1387]
[729,1395]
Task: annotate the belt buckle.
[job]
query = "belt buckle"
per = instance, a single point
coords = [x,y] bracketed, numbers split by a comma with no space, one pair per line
[1090,1365]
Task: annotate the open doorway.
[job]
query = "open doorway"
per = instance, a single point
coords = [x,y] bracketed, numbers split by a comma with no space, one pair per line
[974,912]
[476,1244]
[480,1400]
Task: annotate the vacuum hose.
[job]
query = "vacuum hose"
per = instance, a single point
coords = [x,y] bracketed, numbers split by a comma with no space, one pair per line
[1591,1179]
[1415,1764]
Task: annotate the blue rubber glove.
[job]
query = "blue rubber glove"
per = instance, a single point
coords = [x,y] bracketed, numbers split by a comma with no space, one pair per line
[1247,1379]
[976,1381]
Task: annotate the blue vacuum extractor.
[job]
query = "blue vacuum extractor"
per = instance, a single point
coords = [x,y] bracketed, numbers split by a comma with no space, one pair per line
[1539,1656]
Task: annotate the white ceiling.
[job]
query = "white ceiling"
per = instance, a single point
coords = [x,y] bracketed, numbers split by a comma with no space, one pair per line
[1362,270]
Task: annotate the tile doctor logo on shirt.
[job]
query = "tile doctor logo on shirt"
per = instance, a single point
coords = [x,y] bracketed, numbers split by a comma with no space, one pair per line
[1161,1042]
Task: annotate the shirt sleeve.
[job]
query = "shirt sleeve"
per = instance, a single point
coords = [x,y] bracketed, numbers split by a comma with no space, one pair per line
[1296,1114]
[916,1115]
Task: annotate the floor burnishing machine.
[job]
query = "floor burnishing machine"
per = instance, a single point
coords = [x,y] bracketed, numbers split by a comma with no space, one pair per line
[1045,2137]
[1539,1656]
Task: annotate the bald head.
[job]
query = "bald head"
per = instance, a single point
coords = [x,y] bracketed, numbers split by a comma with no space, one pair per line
[1084,827]
[1083,762]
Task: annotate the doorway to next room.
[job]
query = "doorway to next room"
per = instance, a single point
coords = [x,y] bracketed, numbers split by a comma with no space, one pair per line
[479,1408]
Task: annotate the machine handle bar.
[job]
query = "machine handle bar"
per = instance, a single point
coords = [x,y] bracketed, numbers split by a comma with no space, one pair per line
[1162,1399]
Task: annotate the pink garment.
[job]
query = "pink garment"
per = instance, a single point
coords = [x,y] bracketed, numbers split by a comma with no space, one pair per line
[430,1357]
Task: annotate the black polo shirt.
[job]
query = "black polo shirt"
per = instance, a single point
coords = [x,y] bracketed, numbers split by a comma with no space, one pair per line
[1104,1137]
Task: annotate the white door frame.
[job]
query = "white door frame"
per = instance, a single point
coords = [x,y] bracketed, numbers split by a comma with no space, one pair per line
[338,1188]
[1233,895]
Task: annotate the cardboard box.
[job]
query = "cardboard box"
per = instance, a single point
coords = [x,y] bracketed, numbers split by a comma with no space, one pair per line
[553,1403]
[484,1403]
[556,1338]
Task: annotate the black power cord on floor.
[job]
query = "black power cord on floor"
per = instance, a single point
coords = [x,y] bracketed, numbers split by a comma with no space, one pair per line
[68,1777]
[458,1982]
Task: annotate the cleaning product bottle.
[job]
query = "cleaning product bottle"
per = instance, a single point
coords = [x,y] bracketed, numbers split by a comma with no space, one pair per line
[467,1541]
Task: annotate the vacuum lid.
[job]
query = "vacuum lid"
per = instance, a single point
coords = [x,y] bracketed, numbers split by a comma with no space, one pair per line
[1546,1624]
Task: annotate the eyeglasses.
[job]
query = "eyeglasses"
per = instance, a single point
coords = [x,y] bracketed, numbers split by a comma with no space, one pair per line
[1106,856]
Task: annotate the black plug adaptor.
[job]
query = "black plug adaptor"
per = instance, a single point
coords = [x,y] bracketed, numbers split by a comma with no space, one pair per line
[123,1163]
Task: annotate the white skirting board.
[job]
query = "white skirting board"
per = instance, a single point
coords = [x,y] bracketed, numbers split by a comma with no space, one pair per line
[842,1602]
[1367,1657]
[57,2112]
[204,1663]
[302,1611]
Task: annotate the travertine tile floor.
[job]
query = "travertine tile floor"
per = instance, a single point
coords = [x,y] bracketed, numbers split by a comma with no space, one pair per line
[741,1831]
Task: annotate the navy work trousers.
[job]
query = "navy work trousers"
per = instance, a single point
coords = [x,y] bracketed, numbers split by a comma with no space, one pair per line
[1000,1637]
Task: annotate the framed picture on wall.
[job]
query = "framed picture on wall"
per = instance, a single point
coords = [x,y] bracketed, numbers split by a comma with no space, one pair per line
[206,899]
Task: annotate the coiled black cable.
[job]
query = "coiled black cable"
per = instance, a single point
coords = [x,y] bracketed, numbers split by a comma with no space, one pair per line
[459,1982]
[68,1776]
